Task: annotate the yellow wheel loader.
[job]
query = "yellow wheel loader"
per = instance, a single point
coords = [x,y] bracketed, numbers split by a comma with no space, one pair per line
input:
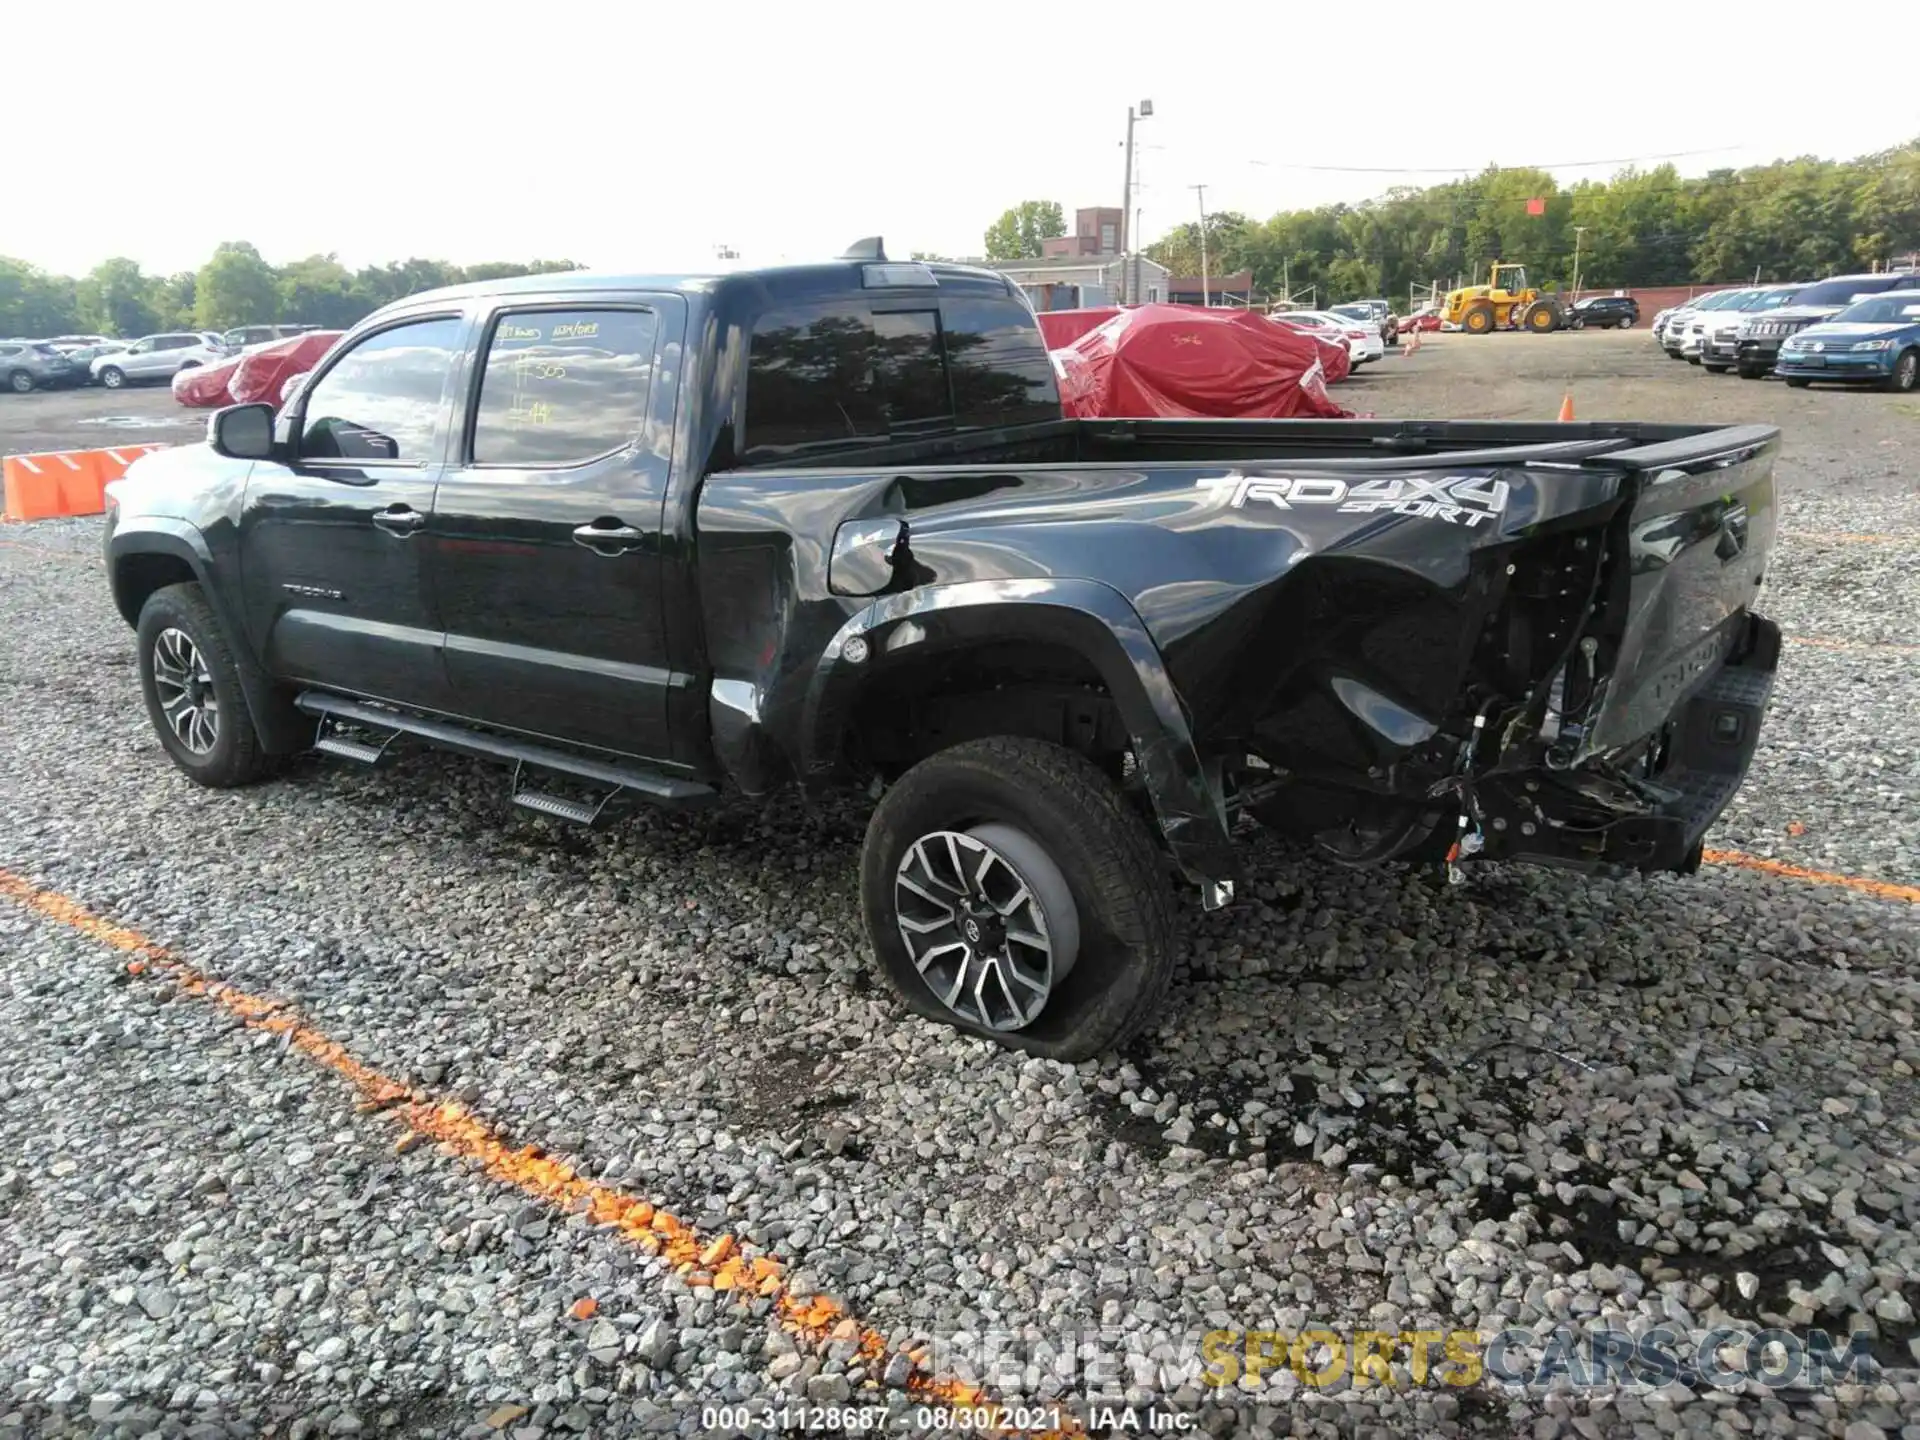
[1505,302]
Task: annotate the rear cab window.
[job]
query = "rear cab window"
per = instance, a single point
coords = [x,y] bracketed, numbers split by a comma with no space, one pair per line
[893,365]
[561,387]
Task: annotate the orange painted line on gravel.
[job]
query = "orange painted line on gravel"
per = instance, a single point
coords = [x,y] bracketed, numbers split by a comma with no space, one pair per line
[718,1262]
[1879,889]
[1821,642]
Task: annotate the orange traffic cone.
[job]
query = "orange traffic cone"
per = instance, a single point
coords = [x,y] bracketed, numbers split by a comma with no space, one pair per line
[1566,406]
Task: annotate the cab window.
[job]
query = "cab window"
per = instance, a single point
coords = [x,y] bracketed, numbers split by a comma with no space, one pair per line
[559,387]
[382,399]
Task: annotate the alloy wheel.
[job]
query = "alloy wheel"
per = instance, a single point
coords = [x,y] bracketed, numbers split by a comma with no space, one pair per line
[988,921]
[184,687]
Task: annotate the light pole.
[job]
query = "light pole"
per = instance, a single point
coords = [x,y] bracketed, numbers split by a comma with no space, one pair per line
[1145,112]
[1578,231]
[1201,190]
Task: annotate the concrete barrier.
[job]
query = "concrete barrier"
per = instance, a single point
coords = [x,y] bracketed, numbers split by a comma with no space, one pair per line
[64,482]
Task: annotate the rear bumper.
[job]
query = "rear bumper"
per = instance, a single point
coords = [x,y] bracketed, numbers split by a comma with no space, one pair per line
[1586,818]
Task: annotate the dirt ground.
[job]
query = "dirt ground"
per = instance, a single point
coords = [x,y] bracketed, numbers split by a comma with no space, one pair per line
[1851,437]
[94,418]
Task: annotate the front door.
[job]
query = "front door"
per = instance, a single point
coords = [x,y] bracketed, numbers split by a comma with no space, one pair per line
[331,542]
[546,540]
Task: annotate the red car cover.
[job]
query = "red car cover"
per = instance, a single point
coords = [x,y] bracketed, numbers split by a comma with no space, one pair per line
[264,373]
[1335,358]
[1060,328]
[205,386]
[1181,360]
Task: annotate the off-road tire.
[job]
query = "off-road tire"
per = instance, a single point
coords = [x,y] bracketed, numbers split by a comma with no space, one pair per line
[1101,845]
[1479,320]
[237,756]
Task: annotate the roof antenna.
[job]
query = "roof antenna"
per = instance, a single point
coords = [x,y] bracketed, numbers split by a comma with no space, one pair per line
[869,248]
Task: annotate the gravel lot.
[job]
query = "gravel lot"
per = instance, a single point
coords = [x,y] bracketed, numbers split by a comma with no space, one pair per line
[1376,1102]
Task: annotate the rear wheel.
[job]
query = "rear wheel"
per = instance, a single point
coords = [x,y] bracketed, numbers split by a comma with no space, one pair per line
[113,377]
[191,683]
[1906,372]
[1011,891]
[1626,322]
[20,382]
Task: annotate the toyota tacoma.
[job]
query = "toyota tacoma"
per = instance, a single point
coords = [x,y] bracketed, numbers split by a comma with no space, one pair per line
[667,538]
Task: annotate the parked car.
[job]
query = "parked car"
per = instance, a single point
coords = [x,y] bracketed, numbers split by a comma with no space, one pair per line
[1692,330]
[1673,329]
[1606,312]
[1761,338]
[1362,335]
[243,337]
[157,357]
[26,365]
[82,350]
[1720,342]
[668,537]
[1877,339]
[1378,311]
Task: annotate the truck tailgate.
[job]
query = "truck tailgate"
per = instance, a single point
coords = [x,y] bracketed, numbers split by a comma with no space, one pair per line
[1698,538]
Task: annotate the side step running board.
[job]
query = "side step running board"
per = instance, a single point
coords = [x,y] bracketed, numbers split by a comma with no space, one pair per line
[450,735]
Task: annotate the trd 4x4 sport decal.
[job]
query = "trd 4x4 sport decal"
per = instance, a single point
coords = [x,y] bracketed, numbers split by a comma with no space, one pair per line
[1457,499]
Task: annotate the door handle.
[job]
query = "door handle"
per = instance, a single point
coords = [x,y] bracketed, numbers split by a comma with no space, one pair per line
[608,537]
[401,520]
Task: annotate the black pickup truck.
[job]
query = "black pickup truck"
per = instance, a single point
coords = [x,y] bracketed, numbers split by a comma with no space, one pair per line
[670,537]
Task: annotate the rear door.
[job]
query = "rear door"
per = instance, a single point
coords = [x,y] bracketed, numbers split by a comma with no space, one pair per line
[547,545]
[332,550]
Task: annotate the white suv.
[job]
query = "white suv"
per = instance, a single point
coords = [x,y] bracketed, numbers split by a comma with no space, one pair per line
[1673,333]
[157,357]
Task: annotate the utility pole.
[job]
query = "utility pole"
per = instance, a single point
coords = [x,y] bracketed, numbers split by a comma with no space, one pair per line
[1201,190]
[1145,112]
[1578,231]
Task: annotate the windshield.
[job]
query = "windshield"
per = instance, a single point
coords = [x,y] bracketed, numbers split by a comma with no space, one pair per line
[1843,290]
[1774,299]
[1900,309]
[1719,300]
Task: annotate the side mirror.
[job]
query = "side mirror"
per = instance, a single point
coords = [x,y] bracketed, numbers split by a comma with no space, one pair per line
[242,432]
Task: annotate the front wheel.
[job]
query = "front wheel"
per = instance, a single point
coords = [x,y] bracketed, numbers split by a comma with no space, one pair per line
[1752,372]
[1716,369]
[1011,891]
[1798,382]
[191,683]
[1906,372]
[113,377]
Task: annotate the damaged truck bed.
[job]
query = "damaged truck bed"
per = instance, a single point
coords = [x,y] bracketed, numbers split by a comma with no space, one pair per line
[1400,639]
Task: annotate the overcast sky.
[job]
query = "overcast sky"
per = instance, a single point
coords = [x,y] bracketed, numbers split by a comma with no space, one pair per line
[635,135]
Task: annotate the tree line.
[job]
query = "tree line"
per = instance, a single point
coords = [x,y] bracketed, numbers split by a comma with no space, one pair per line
[1790,220]
[235,287]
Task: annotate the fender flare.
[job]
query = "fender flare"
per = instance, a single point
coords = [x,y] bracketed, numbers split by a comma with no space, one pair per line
[1086,616]
[282,729]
